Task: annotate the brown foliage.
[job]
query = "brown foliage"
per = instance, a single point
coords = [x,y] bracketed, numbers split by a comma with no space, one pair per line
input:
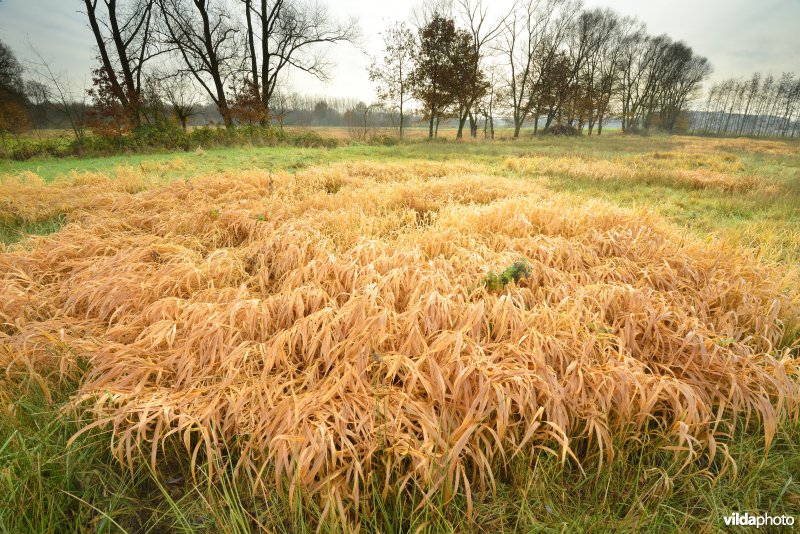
[14,116]
[246,105]
[108,116]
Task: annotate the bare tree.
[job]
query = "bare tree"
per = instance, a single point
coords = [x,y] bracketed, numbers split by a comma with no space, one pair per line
[637,58]
[424,12]
[532,31]
[357,120]
[181,97]
[609,62]
[207,38]
[281,105]
[593,75]
[487,104]
[683,78]
[760,106]
[393,73]
[123,32]
[287,34]
[65,101]
[475,15]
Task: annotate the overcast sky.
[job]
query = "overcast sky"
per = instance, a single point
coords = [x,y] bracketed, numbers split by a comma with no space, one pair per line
[737,36]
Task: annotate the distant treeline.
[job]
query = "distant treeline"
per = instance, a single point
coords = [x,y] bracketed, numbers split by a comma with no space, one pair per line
[298,110]
[761,106]
[160,61]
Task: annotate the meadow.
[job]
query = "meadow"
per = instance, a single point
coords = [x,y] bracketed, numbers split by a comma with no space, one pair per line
[548,334]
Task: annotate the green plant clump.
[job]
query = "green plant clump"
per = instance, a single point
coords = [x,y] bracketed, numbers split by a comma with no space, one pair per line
[516,271]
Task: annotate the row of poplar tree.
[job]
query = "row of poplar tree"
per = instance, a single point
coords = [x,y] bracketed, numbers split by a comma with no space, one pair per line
[763,105]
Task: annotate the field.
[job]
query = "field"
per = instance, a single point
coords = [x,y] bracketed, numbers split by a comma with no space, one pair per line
[596,334]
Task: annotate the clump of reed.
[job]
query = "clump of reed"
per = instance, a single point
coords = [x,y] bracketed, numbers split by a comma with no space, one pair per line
[344,347]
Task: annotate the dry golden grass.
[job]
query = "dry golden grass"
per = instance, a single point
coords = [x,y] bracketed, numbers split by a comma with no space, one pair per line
[742,144]
[689,169]
[334,322]
[25,198]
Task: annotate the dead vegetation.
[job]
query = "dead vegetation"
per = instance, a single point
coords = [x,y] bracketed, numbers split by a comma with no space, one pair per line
[24,198]
[740,145]
[312,320]
[723,172]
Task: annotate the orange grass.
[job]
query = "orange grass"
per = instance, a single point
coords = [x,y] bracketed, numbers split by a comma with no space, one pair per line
[333,323]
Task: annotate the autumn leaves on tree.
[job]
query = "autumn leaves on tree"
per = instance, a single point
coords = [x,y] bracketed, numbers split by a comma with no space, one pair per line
[13,113]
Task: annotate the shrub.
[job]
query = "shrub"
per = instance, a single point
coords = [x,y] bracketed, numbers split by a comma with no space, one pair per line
[384,139]
[153,137]
[166,136]
[562,130]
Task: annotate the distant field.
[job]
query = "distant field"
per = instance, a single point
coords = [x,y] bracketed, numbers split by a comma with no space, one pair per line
[549,334]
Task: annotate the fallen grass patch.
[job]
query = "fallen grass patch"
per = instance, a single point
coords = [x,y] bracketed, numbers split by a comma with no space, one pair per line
[348,350]
[721,172]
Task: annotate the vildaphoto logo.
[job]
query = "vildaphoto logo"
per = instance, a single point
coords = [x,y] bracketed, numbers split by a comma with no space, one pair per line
[748,520]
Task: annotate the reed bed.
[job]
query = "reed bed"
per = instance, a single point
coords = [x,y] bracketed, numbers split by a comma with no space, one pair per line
[334,326]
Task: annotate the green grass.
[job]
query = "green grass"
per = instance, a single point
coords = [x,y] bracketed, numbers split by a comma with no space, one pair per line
[11,233]
[284,157]
[46,486]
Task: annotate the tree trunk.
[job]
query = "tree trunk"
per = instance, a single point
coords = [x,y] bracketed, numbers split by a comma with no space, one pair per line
[462,119]
[227,118]
[401,115]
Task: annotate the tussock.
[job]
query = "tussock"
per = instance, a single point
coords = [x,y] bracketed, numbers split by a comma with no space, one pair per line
[342,334]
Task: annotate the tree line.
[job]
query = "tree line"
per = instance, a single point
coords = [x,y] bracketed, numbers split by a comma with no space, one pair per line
[760,106]
[168,55]
[543,62]
[537,64]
